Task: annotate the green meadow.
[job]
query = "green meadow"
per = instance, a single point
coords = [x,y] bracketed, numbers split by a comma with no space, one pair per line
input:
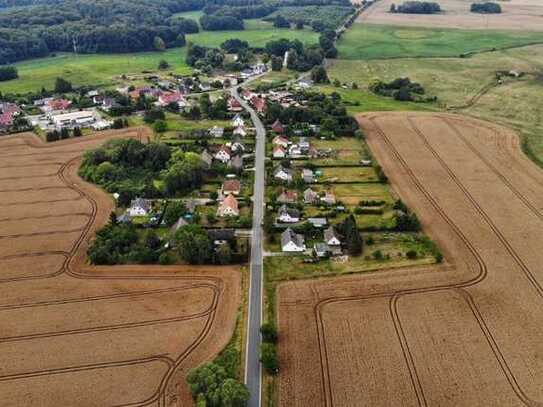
[364,41]
[102,69]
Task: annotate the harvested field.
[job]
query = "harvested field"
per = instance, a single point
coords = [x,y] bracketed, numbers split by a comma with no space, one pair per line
[465,333]
[73,334]
[522,15]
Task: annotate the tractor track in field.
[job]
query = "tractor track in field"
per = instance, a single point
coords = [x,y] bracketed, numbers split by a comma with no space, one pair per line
[459,287]
[72,267]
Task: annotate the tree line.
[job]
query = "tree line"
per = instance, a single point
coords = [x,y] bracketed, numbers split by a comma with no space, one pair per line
[416,7]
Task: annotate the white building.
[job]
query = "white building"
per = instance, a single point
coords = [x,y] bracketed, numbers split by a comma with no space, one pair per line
[292,242]
[84,118]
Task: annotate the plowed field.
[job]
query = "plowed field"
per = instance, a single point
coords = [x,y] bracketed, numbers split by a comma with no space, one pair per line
[466,333]
[76,335]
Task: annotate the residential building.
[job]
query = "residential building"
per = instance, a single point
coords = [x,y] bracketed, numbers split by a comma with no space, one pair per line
[231,186]
[283,174]
[310,196]
[178,225]
[308,176]
[236,162]
[292,242]
[288,215]
[206,158]
[331,238]
[318,222]
[329,198]
[280,141]
[228,207]
[216,131]
[171,97]
[238,121]
[224,154]
[139,207]
[295,150]
[84,118]
[53,105]
[234,105]
[321,250]
[279,152]
[259,104]
[239,131]
[288,196]
[277,127]
[304,144]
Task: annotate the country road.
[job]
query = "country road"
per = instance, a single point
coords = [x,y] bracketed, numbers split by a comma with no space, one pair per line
[253,368]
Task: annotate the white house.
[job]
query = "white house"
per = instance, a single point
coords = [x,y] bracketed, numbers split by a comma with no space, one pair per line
[283,174]
[238,121]
[84,118]
[239,131]
[331,238]
[216,131]
[292,242]
[139,207]
[280,141]
[288,215]
[295,150]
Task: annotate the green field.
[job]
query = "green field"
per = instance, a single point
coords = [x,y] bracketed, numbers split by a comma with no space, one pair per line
[101,70]
[381,41]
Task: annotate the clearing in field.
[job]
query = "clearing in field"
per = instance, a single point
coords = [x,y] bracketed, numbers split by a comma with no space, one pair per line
[462,334]
[522,15]
[93,336]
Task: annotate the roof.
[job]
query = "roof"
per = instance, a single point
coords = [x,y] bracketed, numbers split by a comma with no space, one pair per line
[289,236]
[293,213]
[221,234]
[231,185]
[236,161]
[171,97]
[280,140]
[279,148]
[282,169]
[330,234]
[59,104]
[317,221]
[277,126]
[321,248]
[140,203]
[178,225]
[226,149]
[230,202]
[206,157]
[288,196]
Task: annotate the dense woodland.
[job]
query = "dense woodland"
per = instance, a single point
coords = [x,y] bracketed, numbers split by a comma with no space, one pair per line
[36,29]
[416,7]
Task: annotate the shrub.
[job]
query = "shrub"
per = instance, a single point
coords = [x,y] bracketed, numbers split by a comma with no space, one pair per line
[269,333]
[378,255]
[268,357]
[411,255]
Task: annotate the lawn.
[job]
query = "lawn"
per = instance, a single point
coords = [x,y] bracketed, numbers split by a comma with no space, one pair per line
[101,70]
[347,174]
[352,194]
[364,41]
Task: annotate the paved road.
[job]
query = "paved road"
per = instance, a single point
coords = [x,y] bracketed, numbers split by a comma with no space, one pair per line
[253,368]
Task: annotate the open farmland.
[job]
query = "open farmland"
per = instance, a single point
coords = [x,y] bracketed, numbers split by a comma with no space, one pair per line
[93,336]
[458,334]
[516,15]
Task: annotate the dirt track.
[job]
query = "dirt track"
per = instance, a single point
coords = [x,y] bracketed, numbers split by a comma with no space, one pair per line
[92,336]
[523,15]
[466,333]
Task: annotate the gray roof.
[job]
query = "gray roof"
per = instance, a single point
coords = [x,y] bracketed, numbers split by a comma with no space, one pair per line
[289,236]
[330,233]
[206,157]
[236,162]
[310,195]
[293,213]
[141,203]
[318,221]
[281,168]
[179,224]
[321,248]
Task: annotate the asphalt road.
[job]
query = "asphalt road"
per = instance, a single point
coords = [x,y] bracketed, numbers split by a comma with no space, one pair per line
[253,368]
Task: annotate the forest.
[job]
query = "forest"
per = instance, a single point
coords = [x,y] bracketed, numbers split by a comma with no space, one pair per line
[33,29]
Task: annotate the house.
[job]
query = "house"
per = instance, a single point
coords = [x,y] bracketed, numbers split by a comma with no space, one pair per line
[239,131]
[313,152]
[234,105]
[321,250]
[224,154]
[238,121]
[295,150]
[304,144]
[231,186]
[171,97]
[304,83]
[236,163]
[139,207]
[292,242]
[6,119]
[259,69]
[318,222]
[204,86]
[310,196]
[283,174]
[308,176]
[288,197]
[277,127]
[108,104]
[259,104]
[279,152]
[236,146]
[216,131]
[280,141]
[206,158]
[11,108]
[247,94]
[331,238]
[288,215]
[178,225]
[329,198]
[124,218]
[221,236]
[56,105]
[83,118]
[228,207]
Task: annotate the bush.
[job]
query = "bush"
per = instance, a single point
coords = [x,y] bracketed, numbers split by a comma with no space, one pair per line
[416,7]
[268,357]
[486,8]
[411,255]
[7,73]
[378,255]
[269,332]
